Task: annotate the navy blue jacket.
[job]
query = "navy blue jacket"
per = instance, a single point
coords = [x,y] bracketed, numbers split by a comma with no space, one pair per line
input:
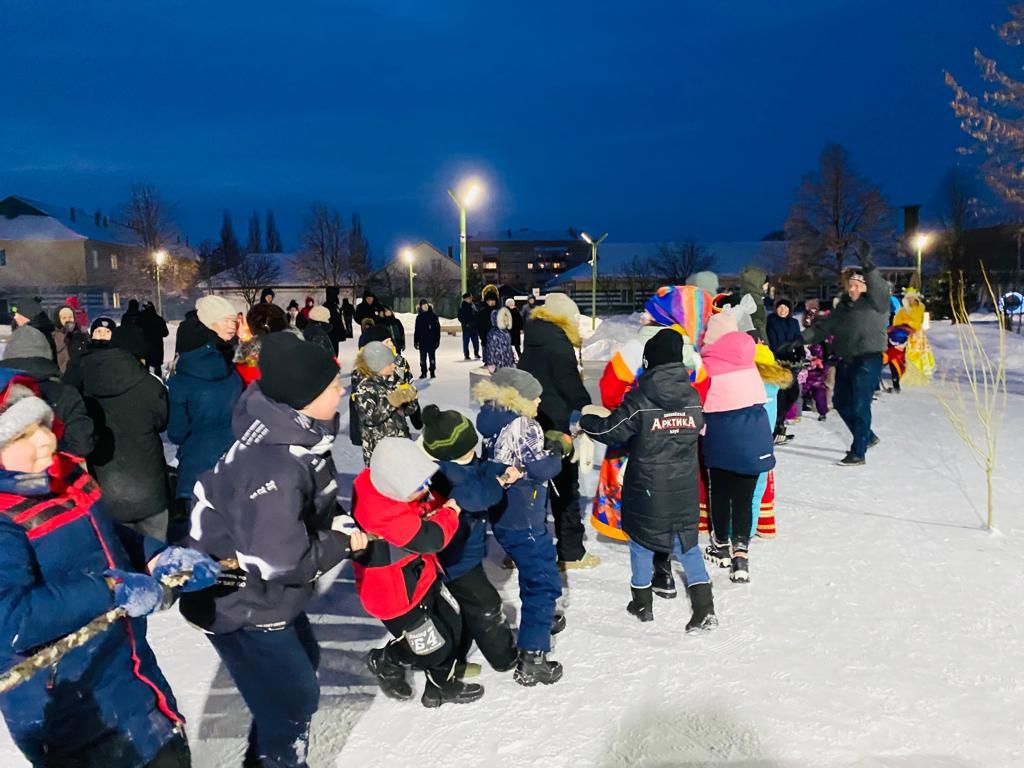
[525,502]
[739,440]
[475,488]
[202,394]
[103,704]
[782,330]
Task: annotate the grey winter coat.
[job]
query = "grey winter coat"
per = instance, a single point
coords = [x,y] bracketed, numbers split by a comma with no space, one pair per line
[858,327]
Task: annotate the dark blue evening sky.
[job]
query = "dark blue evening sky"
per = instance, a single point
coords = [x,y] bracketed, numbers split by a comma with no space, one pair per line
[652,120]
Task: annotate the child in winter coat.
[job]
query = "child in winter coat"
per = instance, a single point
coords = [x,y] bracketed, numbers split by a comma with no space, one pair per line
[659,421]
[737,444]
[476,485]
[380,404]
[271,503]
[397,579]
[513,436]
[498,346]
[815,383]
[63,562]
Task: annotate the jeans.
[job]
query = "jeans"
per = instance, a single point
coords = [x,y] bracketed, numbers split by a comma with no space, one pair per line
[641,562]
[275,671]
[469,335]
[855,386]
[539,583]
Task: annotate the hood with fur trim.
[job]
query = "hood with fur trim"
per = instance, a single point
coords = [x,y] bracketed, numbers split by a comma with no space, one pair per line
[568,326]
[504,397]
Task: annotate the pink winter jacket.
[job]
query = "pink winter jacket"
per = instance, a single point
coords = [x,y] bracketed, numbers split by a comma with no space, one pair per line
[735,382]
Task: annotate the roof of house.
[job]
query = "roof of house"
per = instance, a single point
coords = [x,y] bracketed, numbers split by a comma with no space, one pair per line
[623,259]
[527,235]
[25,219]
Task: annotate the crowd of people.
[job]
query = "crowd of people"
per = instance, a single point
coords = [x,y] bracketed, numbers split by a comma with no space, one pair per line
[691,411]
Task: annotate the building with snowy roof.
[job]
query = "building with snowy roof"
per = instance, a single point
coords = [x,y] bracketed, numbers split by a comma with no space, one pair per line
[53,252]
[523,259]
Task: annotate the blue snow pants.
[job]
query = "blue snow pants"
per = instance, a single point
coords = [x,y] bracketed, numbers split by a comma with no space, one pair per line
[533,552]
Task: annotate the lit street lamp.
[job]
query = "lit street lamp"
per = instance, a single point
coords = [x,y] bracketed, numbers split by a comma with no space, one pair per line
[921,241]
[408,256]
[160,257]
[466,200]
[593,274]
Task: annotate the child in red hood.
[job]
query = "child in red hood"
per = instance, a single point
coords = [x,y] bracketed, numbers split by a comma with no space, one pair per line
[397,578]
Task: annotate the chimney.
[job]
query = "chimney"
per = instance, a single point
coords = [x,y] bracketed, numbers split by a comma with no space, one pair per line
[98,217]
[72,213]
[911,219]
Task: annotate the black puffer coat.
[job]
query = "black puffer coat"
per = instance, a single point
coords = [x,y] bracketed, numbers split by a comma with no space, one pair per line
[659,421]
[128,406]
[549,355]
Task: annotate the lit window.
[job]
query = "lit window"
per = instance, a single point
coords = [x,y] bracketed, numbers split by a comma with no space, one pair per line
[113,261]
[117,300]
[3,257]
[475,265]
[490,265]
[530,265]
[556,265]
[95,259]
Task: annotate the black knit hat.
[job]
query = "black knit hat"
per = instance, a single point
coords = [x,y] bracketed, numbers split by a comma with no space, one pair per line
[665,347]
[784,302]
[293,371]
[376,333]
[102,322]
[447,435]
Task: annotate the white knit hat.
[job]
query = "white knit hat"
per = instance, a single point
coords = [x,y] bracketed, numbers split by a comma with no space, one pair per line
[213,309]
[398,467]
[320,315]
[20,408]
[560,305]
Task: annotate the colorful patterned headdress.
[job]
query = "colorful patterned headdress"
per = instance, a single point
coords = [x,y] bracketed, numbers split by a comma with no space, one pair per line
[687,306]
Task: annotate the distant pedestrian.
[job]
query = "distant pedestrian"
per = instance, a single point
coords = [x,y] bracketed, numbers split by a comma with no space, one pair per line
[267,296]
[368,307]
[347,311]
[154,328]
[498,350]
[337,325]
[318,330]
[427,339]
[394,325]
[516,331]
[293,313]
[69,339]
[483,316]
[467,319]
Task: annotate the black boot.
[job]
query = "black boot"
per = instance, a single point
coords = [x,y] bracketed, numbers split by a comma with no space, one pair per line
[717,553]
[558,624]
[662,582]
[451,691]
[494,639]
[534,667]
[642,604]
[703,605]
[740,569]
[389,673]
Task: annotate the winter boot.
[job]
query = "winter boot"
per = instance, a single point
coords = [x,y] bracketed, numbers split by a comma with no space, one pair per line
[822,417]
[662,581]
[703,605]
[452,691]
[389,673]
[558,624]
[534,667]
[851,461]
[740,568]
[717,554]
[642,604]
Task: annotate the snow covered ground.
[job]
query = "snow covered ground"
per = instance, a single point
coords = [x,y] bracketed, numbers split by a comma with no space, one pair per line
[880,629]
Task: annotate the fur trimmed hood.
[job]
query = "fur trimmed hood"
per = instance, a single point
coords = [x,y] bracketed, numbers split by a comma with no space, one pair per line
[504,397]
[569,328]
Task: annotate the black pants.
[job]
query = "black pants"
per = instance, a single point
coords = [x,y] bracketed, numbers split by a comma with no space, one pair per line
[428,356]
[787,397]
[175,754]
[895,372]
[435,607]
[275,671]
[483,619]
[730,499]
[565,508]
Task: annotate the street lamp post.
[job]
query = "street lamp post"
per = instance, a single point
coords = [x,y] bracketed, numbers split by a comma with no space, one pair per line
[921,241]
[465,201]
[160,257]
[593,274]
[408,256]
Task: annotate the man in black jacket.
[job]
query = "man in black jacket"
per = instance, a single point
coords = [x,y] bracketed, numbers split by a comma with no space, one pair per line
[367,308]
[549,354]
[858,325]
[483,317]
[427,338]
[516,331]
[467,319]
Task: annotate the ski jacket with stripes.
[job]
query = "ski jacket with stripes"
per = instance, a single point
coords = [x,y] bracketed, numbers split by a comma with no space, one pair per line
[103,704]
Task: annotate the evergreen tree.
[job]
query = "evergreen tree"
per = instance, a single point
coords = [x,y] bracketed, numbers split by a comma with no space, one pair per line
[255,243]
[273,236]
[230,250]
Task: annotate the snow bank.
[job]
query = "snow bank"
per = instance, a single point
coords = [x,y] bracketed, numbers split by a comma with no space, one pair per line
[611,334]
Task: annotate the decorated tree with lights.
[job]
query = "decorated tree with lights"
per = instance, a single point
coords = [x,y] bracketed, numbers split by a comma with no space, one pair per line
[995,119]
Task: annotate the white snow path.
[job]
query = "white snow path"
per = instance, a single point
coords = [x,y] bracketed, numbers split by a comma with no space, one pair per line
[880,629]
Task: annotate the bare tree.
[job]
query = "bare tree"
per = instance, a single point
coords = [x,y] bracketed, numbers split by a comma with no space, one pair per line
[835,207]
[273,236]
[358,251]
[148,217]
[674,263]
[323,258]
[253,273]
[255,242]
[435,283]
[996,120]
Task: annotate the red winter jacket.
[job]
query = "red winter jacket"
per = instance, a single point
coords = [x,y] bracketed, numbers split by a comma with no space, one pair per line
[396,571]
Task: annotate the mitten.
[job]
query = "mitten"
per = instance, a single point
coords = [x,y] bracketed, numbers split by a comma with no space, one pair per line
[137,593]
[558,442]
[404,393]
[199,570]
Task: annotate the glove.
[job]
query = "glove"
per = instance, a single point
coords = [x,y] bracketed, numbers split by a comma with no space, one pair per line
[584,452]
[344,524]
[137,593]
[786,350]
[404,393]
[596,410]
[200,571]
[558,442]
